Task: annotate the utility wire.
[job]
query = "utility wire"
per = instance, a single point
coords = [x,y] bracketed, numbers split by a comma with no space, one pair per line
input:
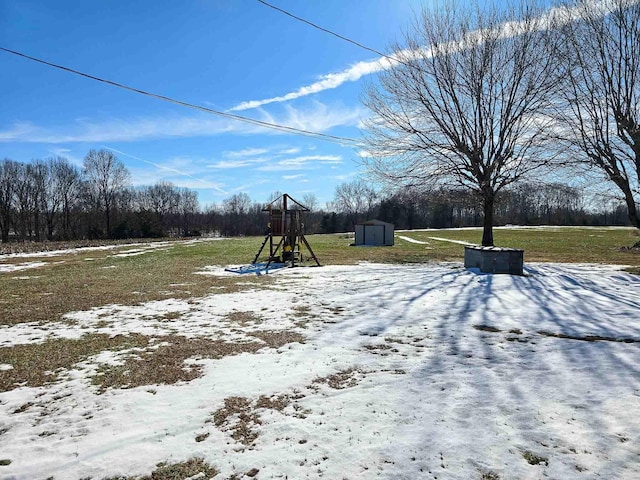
[273,126]
[341,37]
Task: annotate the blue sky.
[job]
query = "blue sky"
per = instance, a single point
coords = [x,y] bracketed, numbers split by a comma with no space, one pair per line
[230,55]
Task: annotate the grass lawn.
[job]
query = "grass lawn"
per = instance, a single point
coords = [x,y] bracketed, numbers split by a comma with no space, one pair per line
[84,279]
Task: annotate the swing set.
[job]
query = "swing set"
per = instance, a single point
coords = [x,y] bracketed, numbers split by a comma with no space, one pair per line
[285,233]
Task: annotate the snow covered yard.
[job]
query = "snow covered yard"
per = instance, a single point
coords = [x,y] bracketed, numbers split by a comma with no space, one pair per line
[392,371]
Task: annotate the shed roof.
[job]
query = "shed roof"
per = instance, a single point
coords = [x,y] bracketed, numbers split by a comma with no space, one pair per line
[375,222]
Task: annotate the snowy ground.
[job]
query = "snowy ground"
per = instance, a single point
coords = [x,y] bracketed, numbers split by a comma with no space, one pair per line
[407,372]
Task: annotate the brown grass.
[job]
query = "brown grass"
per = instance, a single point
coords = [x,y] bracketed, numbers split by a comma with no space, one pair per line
[38,364]
[239,416]
[340,380]
[71,282]
[244,318]
[166,364]
[589,338]
[177,471]
[243,427]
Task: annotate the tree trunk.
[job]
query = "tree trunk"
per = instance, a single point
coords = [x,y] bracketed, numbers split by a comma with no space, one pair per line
[487,221]
[107,214]
[632,210]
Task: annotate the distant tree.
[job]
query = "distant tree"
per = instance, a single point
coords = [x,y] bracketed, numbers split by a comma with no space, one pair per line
[237,204]
[354,198]
[8,181]
[236,210]
[161,201]
[188,207]
[464,102]
[600,56]
[275,199]
[64,194]
[105,176]
[310,200]
[24,191]
[38,171]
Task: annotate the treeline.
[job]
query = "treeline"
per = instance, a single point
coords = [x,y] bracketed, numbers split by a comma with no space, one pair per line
[524,204]
[53,199]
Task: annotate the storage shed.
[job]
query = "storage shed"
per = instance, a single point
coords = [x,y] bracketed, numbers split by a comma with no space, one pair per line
[374,233]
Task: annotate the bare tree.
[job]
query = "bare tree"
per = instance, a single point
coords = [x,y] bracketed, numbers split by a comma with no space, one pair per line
[464,102]
[39,179]
[24,190]
[106,175]
[162,199]
[601,72]
[65,192]
[354,198]
[310,200]
[188,207]
[8,181]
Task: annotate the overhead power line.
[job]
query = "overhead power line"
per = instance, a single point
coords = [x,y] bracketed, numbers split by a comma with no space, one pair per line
[326,30]
[240,118]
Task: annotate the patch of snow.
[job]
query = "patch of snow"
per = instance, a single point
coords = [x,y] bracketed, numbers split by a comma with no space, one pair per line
[68,251]
[412,240]
[460,242]
[14,267]
[57,253]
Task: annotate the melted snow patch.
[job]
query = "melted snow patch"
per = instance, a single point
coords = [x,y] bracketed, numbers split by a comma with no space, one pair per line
[460,242]
[412,240]
[20,266]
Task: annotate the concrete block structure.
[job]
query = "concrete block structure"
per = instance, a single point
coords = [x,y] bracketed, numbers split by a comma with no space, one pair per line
[494,259]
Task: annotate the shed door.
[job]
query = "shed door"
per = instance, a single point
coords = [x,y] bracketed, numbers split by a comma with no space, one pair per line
[374,235]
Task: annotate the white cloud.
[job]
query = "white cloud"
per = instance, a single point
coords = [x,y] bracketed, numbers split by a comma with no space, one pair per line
[236,163]
[299,163]
[247,152]
[317,118]
[326,82]
[174,171]
[289,151]
[16,131]
[112,130]
[292,177]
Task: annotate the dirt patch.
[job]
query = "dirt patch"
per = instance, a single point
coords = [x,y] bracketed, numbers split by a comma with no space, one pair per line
[38,364]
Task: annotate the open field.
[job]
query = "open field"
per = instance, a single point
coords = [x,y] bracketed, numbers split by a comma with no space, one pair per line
[386,362]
